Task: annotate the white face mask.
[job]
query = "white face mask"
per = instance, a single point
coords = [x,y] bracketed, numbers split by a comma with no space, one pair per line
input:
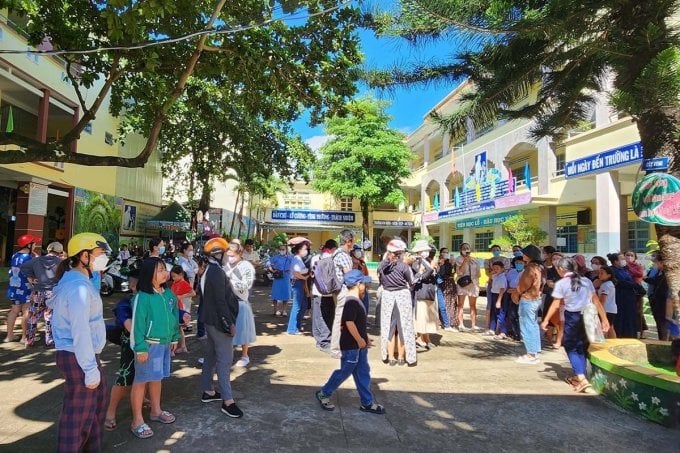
[99,263]
[232,259]
[304,253]
[282,252]
[357,253]
[425,254]
[596,267]
[445,256]
[190,254]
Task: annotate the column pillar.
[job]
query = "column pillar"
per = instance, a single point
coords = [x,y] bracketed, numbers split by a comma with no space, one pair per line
[623,222]
[43,114]
[547,220]
[446,143]
[426,152]
[607,212]
[547,164]
[444,235]
[26,223]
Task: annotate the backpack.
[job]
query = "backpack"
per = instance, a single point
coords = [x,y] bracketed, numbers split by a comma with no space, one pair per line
[325,278]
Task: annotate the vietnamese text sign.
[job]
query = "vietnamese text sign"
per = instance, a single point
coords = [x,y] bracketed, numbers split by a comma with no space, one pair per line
[491,220]
[607,160]
[656,199]
[37,199]
[394,223]
[313,216]
[655,164]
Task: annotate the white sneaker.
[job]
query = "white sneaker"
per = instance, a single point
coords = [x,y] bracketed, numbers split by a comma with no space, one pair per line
[285,313]
[243,361]
[278,313]
[450,329]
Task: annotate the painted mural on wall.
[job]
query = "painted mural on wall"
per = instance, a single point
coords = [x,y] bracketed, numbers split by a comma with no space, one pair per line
[134,217]
[98,213]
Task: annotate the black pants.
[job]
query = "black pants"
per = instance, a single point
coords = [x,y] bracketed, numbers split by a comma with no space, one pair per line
[328,311]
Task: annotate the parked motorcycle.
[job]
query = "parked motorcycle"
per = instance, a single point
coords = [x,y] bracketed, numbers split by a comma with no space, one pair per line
[114,278]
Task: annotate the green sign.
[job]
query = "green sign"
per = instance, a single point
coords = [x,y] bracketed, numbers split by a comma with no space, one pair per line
[656,199]
[485,221]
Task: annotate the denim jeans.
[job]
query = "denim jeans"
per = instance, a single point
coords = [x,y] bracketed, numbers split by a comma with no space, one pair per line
[528,325]
[441,303]
[496,315]
[354,363]
[297,311]
[320,329]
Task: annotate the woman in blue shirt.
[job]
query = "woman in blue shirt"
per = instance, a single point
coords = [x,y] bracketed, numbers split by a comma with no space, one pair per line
[19,290]
[280,265]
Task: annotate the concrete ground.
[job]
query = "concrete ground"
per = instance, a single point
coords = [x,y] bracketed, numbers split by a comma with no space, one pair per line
[467,394]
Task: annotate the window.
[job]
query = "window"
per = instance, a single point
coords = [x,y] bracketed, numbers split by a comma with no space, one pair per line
[569,234]
[297,200]
[483,241]
[561,162]
[456,241]
[638,236]
[346,204]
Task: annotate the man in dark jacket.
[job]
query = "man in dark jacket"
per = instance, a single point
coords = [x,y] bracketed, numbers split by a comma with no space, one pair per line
[41,272]
[218,313]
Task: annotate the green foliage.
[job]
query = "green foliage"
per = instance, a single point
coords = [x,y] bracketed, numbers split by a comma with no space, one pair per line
[364,159]
[567,51]
[98,213]
[268,74]
[519,232]
[278,240]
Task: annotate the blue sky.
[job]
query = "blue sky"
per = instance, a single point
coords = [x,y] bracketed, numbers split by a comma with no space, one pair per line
[409,105]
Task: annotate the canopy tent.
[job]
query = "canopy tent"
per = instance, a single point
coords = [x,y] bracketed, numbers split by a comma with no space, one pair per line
[173,218]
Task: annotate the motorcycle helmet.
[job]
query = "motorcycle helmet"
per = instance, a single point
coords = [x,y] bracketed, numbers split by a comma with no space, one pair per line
[27,239]
[86,241]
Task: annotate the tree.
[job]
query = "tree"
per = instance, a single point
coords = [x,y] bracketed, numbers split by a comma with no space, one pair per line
[273,69]
[570,51]
[520,232]
[364,159]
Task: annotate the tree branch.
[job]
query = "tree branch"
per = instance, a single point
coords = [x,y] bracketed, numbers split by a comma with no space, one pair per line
[75,84]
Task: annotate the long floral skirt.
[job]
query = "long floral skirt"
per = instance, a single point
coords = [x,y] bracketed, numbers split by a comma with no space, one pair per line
[403,317]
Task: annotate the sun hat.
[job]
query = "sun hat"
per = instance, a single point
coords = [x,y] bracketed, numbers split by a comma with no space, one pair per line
[396,245]
[421,245]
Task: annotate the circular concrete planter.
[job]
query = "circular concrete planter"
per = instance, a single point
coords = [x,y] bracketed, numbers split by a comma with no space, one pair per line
[632,373]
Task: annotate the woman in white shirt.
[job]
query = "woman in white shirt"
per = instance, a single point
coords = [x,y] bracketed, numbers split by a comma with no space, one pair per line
[241,277]
[576,292]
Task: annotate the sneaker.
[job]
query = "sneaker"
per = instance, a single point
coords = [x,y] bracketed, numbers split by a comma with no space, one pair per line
[489,333]
[232,410]
[451,329]
[324,401]
[431,346]
[243,362]
[477,329]
[528,360]
[205,398]
[277,314]
[463,329]
[202,337]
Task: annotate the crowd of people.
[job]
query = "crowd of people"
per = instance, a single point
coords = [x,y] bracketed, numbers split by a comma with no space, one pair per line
[420,291]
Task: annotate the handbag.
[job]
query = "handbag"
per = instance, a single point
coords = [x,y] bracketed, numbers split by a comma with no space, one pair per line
[591,323]
[277,273]
[464,281]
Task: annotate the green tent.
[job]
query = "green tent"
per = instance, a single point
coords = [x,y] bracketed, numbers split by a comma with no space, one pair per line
[173,218]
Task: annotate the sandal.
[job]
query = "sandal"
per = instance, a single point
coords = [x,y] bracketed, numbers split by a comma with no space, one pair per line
[324,401]
[110,424]
[142,431]
[372,408]
[582,386]
[572,380]
[164,417]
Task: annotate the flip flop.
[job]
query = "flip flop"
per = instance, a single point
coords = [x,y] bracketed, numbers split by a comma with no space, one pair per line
[582,386]
[164,417]
[110,424]
[142,431]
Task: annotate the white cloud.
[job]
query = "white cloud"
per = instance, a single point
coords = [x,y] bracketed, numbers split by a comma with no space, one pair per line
[317,141]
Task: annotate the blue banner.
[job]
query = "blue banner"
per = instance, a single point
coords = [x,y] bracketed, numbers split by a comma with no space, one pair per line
[656,164]
[313,216]
[604,161]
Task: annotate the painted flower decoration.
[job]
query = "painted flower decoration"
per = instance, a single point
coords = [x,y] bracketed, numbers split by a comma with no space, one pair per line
[634,396]
[663,411]
[642,406]
[623,383]
[655,400]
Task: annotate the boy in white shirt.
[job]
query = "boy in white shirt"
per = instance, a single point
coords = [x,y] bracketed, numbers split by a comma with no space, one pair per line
[499,286]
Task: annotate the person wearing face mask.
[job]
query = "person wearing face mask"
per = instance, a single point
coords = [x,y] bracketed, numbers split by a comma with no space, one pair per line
[190,267]
[359,264]
[19,289]
[488,270]
[626,323]
[425,291]
[511,310]
[241,277]
[467,266]
[280,267]
[552,257]
[517,251]
[79,335]
[300,276]
[528,296]
[156,248]
[447,299]
[637,271]
[596,263]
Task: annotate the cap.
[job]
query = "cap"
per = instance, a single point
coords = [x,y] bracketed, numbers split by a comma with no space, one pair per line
[354,277]
[421,245]
[533,252]
[55,247]
[396,245]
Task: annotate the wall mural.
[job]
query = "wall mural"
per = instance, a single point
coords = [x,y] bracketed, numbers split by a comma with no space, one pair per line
[98,213]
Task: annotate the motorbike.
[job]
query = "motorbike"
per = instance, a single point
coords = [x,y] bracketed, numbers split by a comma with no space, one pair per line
[114,278]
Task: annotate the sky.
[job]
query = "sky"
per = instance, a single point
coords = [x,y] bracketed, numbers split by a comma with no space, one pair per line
[409,105]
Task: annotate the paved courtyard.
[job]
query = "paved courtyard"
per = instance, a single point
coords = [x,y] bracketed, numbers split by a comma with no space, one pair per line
[465,395]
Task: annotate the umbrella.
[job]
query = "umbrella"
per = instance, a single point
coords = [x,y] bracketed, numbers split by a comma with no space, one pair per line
[527,175]
[298,240]
[172,218]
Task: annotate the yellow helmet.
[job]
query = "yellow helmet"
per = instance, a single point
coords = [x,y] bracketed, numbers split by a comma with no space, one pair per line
[86,241]
[215,245]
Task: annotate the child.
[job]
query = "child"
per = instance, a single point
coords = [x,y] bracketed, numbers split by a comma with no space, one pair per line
[182,289]
[154,335]
[499,285]
[354,348]
[607,294]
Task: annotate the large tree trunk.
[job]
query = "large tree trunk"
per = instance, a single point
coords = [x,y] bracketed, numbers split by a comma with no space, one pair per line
[204,202]
[364,218]
[658,129]
[240,216]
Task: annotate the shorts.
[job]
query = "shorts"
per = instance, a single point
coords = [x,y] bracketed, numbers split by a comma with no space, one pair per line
[157,366]
[18,302]
[126,369]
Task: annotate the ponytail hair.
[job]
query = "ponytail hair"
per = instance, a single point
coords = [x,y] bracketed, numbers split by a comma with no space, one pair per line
[610,272]
[569,265]
[65,266]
